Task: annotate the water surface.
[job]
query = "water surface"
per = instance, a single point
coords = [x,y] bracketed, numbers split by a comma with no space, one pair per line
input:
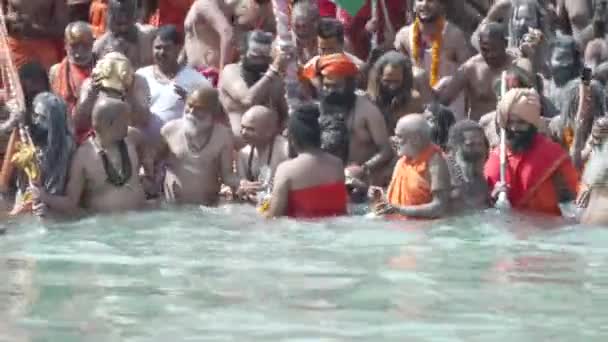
[226,275]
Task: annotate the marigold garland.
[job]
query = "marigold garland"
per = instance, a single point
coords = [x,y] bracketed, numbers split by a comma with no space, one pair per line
[435,48]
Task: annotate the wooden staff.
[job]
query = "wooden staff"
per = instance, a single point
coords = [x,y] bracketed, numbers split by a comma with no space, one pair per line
[15,99]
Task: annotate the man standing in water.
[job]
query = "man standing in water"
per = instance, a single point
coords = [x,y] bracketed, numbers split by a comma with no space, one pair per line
[265,149]
[369,149]
[198,153]
[420,187]
[540,175]
[468,151]
[103,174]
[67,76]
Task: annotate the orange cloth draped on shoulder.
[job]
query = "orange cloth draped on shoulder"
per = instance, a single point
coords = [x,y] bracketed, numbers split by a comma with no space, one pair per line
[530,175]
[97,16]
[409,185]
[318,201]
[334,65]
[171,12]
[67,82]
[26,50]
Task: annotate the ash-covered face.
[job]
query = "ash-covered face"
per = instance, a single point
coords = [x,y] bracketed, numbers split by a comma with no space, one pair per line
[427,11]
[563,63]
[525,16]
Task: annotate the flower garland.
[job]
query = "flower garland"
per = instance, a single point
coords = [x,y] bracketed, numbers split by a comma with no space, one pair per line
[435,49]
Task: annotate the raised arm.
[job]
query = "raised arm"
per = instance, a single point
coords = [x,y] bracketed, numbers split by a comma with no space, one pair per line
[84,107]
[236,88]
[450,89]
[209,11]
[379,133]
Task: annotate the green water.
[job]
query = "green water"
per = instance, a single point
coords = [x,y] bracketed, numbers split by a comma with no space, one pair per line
[226,275]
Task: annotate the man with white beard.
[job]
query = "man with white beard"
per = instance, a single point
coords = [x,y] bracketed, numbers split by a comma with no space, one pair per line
[197,152]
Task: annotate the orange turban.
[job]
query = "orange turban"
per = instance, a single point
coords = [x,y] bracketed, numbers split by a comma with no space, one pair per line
[521,102]
[334,65]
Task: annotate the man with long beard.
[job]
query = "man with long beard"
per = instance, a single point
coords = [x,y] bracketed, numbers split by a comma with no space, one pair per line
[253,81]
[67,76]
[55,145]
[369,149]
[391,88]
[434,44]
[468,150]
[540,174]
[198,152]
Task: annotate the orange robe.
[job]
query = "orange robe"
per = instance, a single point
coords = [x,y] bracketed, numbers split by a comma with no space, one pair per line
[171,12]
[25,50]
[66,84]
[530,175]
[97,16]
[409,185]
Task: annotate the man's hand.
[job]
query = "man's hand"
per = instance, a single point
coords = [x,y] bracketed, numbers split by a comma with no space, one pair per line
[247,188]
[530,42]
[38,197]
[385,208]
[498,188]
[281,60]
[180,91]
[372,25]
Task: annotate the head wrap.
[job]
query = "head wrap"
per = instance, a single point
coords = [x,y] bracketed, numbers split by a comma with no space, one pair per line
[116,72]
[521,102]
[334,65]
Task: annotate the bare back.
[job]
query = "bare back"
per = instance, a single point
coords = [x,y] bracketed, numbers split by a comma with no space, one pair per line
[50,14]
[306,171]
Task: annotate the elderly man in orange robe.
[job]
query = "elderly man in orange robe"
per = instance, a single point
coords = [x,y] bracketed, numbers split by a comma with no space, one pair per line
[67,76]
[169,12]
[421,185]
[539,172]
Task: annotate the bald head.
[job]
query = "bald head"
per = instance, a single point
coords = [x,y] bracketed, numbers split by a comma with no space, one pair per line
[79,40]
[109,118]
[493,30]
[206,98]
[259,125]
[78,31]
[413,135]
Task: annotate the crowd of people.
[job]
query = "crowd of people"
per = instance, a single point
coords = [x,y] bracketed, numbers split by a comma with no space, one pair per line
[420,108]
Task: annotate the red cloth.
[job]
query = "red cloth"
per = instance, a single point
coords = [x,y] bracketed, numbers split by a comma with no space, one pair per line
[171,12]
[354,27]
[210,73]
[327,8]
[529,175]
[318,201]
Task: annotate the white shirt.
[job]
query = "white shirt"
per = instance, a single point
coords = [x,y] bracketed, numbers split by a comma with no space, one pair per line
[164,101]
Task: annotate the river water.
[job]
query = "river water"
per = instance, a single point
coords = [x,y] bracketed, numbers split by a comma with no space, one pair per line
[226,275]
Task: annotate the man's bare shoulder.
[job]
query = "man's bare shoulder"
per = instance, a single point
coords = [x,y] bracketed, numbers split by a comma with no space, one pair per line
[229,74]
[487,119]
[454,34]
[221,132]
[84,153]
[170,128]
[366,107]
[53,72]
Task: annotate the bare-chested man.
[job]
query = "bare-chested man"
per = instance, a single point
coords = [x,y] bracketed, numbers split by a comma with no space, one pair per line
[197,152]
[124,35]
[391,88]
[34,28]
[368,140]
[104,171]
[265,148]
[477,76]
[113,77]
[214,26]
[67,77]
[432,32]
[253,81]
[468,151]
[529,30]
